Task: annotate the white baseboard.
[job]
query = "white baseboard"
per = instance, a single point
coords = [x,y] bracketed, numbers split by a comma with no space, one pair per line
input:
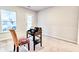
[2,39]
[60,38]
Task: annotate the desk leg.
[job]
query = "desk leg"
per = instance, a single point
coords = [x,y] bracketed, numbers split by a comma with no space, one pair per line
[34,42]
[41,39]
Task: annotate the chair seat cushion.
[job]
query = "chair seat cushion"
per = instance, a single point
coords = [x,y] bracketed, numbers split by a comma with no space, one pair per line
[23,40]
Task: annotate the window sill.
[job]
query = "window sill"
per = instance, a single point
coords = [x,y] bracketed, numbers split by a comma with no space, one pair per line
[3,32]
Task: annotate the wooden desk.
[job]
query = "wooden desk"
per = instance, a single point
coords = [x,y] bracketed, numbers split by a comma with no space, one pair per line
[38,34]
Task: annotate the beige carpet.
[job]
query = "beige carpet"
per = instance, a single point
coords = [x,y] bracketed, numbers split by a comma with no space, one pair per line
[49,45]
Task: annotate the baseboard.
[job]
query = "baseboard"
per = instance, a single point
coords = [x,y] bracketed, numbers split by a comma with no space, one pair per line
[60,39]
[2,39]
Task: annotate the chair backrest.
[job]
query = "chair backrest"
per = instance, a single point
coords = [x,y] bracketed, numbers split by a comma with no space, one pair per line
[39,32]
[14,36]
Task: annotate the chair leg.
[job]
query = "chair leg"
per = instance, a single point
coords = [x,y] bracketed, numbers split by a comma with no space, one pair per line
[17,49]
[34,47]
[28,46]
[41,43]
[14,48]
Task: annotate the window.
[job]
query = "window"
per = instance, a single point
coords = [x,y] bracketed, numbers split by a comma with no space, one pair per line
[29,22]
[8,20]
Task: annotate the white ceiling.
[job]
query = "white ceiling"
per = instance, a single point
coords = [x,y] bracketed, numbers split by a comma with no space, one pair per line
[36,8]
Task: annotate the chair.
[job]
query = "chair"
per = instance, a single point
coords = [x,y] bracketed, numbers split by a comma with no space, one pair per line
[37,32]
[19,42]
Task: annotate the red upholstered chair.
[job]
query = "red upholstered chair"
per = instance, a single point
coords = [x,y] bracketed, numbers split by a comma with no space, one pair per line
[20,41]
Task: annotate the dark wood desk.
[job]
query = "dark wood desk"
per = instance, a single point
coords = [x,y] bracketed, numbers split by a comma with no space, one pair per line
[38,34]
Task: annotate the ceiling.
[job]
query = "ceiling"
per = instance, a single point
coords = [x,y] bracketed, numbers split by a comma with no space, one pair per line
[36,8]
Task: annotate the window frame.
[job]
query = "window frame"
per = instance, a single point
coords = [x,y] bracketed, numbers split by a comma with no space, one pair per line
[1,31]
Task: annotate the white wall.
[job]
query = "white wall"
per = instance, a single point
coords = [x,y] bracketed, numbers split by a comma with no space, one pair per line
[20,20]
[60,22]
